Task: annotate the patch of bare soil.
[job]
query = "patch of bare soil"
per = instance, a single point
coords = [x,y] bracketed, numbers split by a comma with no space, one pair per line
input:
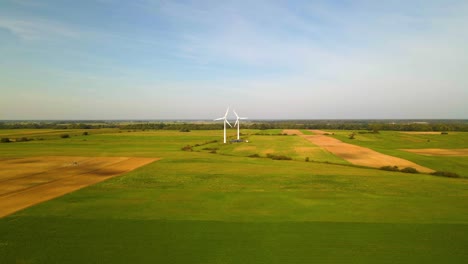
[439,152]
[318,132]
[28,181]
[421,132]
[292,132]
[356,154]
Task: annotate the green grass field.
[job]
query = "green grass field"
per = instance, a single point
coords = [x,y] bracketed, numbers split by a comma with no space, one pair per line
[295,147]
[392,143]
[200,207]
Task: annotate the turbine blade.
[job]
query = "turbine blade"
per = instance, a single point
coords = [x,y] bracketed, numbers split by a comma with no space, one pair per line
[237,122]
[236,114]
[243,118]
[221,118]
[227,122]
[227,111]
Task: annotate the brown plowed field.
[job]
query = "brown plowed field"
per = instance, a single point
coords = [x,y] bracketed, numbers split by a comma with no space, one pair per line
[28,181]
[355,154]
[439,152]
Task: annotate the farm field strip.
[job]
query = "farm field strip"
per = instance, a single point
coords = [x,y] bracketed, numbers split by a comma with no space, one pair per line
[356,154]
[199,207]
[423,132]
[23,190]
[439,152]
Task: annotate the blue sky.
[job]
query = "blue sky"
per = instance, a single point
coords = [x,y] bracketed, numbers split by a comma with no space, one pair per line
[145,59]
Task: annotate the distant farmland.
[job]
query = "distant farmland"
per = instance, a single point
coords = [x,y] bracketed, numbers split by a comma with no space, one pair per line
[206,202]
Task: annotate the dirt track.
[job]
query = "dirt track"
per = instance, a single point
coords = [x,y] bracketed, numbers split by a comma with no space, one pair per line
[439,152]
[355,154]
[28,181]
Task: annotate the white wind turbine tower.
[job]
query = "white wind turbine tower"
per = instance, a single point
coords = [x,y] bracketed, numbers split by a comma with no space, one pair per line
[238,123]
[225,121]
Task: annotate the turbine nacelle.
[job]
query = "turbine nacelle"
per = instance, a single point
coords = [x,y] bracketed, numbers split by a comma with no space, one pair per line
[238,118]
[224,118]
[238,123]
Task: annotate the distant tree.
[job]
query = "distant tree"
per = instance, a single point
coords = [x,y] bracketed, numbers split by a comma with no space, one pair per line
[65,136]
[446,174]
[390,168]
[376,128]
[187,148]
[352,135]
[86,133]
[409,170]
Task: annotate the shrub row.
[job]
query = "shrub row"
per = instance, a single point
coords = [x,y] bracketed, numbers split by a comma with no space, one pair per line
[446,174]
[187,148]
[395,168]
[278,157]
[22,139]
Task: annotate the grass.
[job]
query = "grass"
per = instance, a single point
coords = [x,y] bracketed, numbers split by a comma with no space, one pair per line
[46,134]
[392,143]
[198,207]
[294,147]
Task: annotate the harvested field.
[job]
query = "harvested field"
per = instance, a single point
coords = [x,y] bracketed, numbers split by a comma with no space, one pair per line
[355,154]
[421,132]
[28,181]
[439,152]
[292,132]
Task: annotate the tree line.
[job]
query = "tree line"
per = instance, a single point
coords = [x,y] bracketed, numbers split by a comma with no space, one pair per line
[371,125]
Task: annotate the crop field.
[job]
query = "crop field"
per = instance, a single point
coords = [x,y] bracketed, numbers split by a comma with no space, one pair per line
[356,154]
[415,147]
[44,178]
[216,203]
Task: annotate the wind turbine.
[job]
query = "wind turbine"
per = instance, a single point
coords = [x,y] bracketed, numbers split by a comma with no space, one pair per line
[225,121]
[238,123]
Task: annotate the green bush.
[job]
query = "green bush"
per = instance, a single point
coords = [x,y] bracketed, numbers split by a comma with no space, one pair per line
[187,148]
[64,136]
[5,140]
[446,174]
[278,157]
[210,149]
[307,159]
[86,133]
[390,168]
[409,170]
[254,156]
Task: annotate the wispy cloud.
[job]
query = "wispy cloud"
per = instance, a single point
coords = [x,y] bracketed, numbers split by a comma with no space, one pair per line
[317,59]
[37,28]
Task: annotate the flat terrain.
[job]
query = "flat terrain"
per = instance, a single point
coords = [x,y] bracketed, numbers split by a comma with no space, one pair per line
[421,132]
[355,154]
[262,144]
[439,152]
[397,144]
[28,181]
[226,207]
